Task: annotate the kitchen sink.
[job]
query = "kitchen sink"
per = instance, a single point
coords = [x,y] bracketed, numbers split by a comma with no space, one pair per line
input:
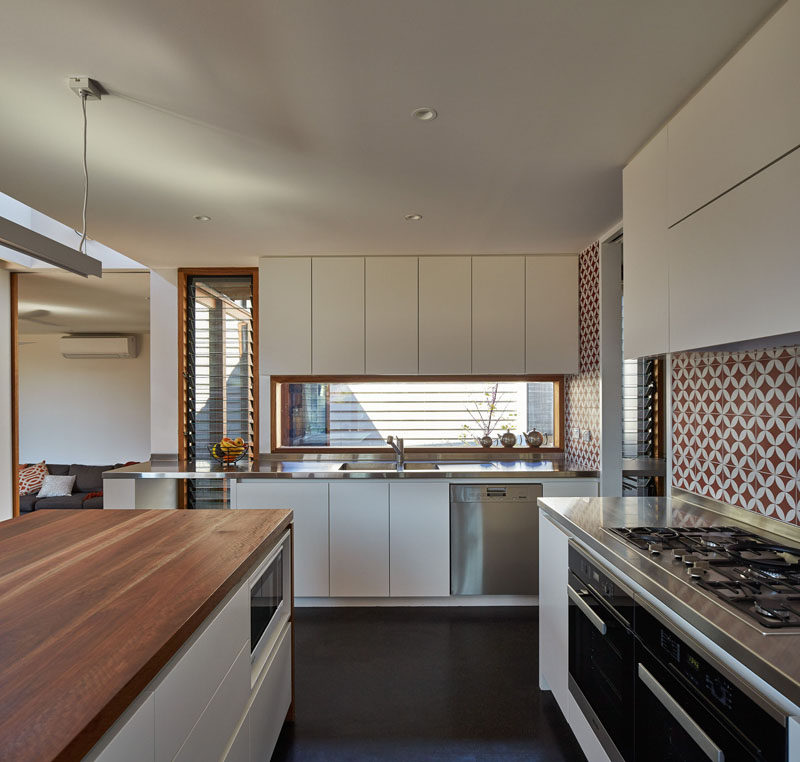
[388,467]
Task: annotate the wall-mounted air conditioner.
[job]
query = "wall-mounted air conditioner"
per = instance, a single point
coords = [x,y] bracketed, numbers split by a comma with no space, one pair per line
[99,347]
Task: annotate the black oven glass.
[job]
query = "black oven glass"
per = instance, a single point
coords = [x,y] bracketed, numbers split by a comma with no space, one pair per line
[675,683]
[600,662]
[265,598]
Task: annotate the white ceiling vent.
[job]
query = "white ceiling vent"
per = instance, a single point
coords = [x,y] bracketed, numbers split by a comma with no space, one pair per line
[99,347]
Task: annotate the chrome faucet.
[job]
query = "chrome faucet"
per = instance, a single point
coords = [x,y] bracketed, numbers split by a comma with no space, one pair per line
[396,443]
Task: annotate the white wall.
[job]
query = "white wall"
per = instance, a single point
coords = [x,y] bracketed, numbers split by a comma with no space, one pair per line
[82,411]
[6,471]
[164,361]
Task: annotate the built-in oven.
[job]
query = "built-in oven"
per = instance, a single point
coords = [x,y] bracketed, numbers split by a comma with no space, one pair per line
[601,653]
[270,602]
[688,707]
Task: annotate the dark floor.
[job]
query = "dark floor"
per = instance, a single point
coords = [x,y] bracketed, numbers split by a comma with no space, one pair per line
[421,684]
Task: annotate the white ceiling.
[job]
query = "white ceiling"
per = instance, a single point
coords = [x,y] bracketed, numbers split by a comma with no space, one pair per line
[289,121]
[60,302]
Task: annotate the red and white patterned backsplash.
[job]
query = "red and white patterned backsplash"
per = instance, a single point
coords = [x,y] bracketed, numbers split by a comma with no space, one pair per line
[582,391]
[735,428]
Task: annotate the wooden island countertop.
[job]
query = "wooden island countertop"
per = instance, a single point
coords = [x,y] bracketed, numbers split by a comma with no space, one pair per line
[94,603]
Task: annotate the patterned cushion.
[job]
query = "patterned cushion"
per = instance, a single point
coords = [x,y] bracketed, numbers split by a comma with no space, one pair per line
[32,478]
[57,486]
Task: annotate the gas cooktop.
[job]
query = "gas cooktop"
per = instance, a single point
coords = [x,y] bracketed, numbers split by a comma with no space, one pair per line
[758,577]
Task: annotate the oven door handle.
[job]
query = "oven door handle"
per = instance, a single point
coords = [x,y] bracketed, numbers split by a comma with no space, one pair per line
[577,599]
[681,716]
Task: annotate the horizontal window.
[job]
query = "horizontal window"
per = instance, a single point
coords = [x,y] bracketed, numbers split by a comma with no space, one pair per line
[439,413]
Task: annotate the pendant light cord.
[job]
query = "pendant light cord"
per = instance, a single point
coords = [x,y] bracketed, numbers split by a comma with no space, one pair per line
[82,246]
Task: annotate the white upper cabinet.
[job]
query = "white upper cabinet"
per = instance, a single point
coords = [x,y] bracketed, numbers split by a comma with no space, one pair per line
[551,314]
[498,314]
[337,315]
[734,265]
[747,116]
[284,315]
[391,315]
[445,305]
[645,251]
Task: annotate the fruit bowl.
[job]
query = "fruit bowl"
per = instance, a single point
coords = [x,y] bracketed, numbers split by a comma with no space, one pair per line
[228,456]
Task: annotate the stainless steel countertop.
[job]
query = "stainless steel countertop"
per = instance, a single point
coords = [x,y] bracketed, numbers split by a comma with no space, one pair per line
[271,468]
[772,657]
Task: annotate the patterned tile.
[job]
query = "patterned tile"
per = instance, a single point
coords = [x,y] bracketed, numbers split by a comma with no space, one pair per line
[736,428]
[582,391]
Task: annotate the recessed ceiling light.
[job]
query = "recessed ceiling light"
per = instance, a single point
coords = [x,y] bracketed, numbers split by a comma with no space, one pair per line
[413,217]
[202,218]
[425,114]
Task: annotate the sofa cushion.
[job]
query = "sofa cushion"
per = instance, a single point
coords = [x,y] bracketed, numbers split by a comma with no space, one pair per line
[26,503]
[89,478]
[93,502]
[58,469]
[67,501]
[32,478]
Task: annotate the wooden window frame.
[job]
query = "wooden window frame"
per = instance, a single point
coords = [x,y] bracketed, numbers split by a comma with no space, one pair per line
[277,417]
[184,273]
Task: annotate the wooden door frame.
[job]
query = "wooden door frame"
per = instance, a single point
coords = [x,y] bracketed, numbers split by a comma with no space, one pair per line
[184,273]
[14,327]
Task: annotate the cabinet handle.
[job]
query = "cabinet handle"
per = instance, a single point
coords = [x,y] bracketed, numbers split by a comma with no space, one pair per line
[577,599]
[681,716]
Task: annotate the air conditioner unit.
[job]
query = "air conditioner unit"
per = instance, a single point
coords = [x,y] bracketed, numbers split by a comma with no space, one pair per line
[98,347]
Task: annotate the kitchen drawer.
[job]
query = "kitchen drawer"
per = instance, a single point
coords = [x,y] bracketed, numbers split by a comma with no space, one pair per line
[239,749]
[132,741]
[193,677]
[272,699]
[210,735]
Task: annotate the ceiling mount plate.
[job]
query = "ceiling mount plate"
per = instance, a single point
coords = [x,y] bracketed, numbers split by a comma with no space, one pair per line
[85,87]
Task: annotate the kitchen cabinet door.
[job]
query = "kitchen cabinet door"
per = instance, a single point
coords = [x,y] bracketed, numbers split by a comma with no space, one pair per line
[359,539]
[745,117]
[337,315]
[553,612]
[284,315]
[445,304]
[733,265]
[498,315]
[391,315]
[133,740]
[645,251]
[551,315]
[419,531]
[309,501]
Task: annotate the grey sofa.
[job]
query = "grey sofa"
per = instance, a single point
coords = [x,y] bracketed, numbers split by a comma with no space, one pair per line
[88,479]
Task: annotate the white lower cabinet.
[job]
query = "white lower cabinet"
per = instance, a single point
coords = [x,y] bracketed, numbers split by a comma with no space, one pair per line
[271,700]
[132,741]
[553,612]
[359,539]
[570,487]
[201,706]
[309,501]
[419,561]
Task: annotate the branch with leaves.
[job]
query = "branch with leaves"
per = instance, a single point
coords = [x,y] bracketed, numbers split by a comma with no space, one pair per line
[489,413]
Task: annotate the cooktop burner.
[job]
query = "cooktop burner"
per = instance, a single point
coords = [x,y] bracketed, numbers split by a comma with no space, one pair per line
[755,576]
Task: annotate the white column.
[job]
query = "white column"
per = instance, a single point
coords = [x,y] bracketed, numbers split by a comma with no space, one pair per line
[6,466]
[164,361]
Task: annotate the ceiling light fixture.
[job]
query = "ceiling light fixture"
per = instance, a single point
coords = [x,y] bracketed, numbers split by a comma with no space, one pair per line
[202,218]
[425,114]
[413,217]
[32,244]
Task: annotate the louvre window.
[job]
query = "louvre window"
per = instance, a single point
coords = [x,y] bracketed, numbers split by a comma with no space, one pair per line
[351,414]
[219,377]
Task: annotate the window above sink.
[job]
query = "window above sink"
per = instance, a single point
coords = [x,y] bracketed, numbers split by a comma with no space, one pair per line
[434,414]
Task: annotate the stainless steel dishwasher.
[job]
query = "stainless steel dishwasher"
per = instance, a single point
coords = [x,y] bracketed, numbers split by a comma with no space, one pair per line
[494,539]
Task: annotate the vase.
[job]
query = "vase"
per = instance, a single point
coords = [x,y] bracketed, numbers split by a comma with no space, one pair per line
[485,441]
